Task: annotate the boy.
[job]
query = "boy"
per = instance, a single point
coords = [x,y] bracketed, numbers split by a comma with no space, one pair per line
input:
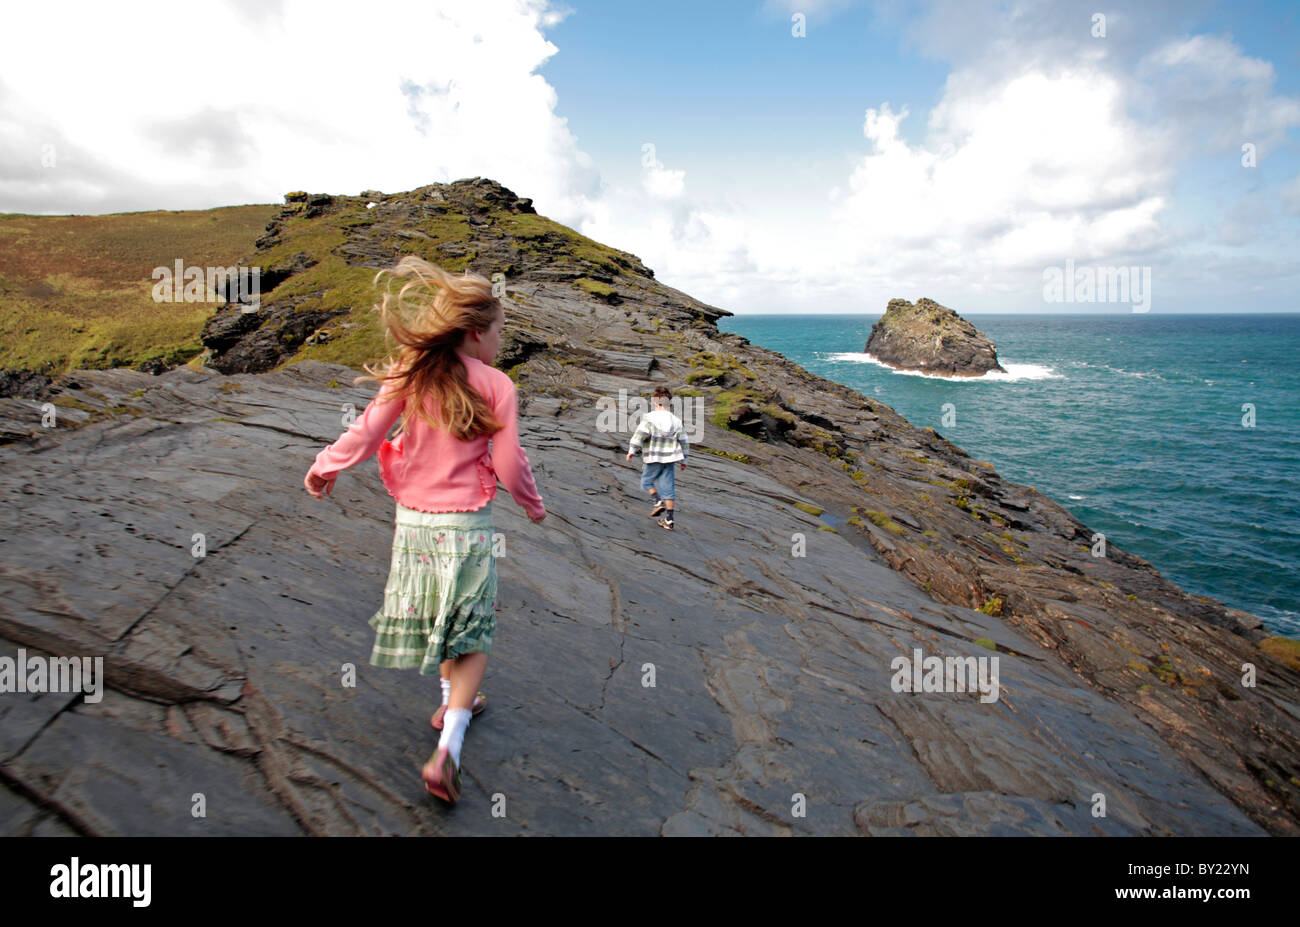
[666,446]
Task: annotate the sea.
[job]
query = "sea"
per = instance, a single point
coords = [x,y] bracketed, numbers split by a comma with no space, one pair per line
[1175,436]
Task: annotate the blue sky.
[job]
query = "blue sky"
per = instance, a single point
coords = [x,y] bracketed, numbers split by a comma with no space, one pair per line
[721,86]
[717,84]
[957,149]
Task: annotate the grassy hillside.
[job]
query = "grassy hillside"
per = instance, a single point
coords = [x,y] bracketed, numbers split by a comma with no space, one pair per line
[447,238]
[77,291]
[321,253]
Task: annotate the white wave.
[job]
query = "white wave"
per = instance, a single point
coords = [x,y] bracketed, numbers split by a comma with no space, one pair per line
[1075,496]
[1140,374]
[1022,372]
[1014,371]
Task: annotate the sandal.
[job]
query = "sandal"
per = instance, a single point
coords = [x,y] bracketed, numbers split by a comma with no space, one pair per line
[442,776]
[480,702]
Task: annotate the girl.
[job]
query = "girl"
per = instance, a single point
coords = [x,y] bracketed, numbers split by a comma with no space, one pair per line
[440,599]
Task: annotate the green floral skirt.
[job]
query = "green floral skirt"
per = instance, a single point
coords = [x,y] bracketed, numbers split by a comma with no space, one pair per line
[440,600]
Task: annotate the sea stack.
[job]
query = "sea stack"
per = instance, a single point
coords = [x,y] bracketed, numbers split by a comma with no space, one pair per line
[932,339]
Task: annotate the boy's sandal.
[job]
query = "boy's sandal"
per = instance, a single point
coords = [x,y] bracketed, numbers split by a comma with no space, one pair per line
[480,702]
[442,776]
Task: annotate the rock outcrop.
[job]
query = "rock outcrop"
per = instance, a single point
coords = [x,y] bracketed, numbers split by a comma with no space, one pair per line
[28,384]
[687,682]
[313,294]
[932,339]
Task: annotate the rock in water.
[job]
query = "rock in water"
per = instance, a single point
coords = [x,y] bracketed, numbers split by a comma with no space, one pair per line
[931,338]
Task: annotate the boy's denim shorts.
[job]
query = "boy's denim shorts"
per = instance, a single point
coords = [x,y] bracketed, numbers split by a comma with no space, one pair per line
[660,476]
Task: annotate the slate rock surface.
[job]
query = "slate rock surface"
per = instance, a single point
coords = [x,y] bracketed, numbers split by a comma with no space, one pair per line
[771,673]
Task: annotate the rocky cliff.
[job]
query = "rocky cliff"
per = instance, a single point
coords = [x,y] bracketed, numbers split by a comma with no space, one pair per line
[932,339]
[717,679]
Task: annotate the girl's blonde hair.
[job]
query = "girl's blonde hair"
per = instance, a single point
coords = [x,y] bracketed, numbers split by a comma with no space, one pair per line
[439,309]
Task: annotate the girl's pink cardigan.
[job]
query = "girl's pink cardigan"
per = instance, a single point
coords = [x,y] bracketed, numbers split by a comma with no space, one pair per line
[432,471]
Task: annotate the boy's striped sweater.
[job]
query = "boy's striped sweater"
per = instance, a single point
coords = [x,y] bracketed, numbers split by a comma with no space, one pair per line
[660,437]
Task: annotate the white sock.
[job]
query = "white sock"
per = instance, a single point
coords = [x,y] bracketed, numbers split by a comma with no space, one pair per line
[454,724]
[446,689]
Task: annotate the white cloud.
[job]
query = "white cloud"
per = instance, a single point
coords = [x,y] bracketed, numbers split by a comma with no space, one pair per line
[660,182]
[1215,97]
[190,106]
[1011,178]
[1042,165]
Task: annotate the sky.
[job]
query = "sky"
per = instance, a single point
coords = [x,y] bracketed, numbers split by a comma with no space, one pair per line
[818,156]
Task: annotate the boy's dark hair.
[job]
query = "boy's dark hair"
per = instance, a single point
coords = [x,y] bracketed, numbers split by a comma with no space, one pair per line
[662,392]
